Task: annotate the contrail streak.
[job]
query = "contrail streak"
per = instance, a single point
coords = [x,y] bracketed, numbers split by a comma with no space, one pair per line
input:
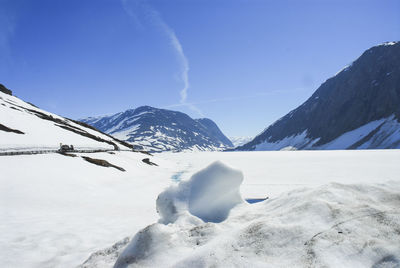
[183,61]
[155,18]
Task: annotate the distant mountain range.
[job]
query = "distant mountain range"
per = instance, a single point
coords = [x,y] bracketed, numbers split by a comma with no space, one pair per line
[240,140]
[358,108]
[157,130]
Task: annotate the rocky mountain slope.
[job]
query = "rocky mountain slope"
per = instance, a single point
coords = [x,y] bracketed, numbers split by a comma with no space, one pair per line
[157,130]
[358,108]
[240,140]
[24,127]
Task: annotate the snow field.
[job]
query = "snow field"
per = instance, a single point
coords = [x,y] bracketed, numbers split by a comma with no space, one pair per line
[334,225]
[270,173]
[57,210]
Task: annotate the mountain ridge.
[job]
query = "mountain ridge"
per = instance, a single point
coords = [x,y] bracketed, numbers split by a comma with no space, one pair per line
[157,130]
[363,92]
[25,127]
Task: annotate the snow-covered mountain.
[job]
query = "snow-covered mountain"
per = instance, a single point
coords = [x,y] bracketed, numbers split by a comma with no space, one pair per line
[358,108]
[24,127]
[240,140]
[157,130]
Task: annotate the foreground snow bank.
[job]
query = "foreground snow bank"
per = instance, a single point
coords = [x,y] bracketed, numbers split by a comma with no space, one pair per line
[209,195]
[334,225]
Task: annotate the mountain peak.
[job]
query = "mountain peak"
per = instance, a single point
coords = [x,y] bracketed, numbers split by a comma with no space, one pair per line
[390,43]
[158,130]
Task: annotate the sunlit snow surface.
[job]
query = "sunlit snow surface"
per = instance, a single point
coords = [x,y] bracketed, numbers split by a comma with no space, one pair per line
[57,210]
[42,134]
[381,134]
[335,225]
[209,195]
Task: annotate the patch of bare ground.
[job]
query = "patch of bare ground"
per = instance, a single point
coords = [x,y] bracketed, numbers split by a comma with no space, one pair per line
[7,129]
[68,154]
[147,161]
[101,162]
[12,107]
[32,104]
[5,90]
[145,152]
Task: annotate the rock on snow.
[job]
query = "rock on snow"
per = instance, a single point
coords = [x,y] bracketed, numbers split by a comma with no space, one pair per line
[334,225]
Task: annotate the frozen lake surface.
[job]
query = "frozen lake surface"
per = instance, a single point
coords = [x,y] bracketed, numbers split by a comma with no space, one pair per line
[57,210]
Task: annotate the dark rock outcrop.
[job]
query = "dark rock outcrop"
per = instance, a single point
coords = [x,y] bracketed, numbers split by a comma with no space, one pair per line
[5,90]
[365,91]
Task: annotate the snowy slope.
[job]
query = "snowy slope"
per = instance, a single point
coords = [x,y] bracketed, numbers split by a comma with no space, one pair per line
[379,134]
[157,130]
[26,127]
[358,108]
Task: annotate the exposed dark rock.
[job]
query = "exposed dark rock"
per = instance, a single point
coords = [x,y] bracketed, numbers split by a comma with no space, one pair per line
[365,91]
[214,131]
[101,162]
[5,90]
[12,107]
[147,161]
[67,154]
[145,152]
[32,104]
[7,129]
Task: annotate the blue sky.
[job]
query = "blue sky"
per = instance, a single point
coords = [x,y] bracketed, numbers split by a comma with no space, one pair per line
[242,63]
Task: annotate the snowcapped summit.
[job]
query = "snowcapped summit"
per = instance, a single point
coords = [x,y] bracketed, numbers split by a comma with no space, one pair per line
[389,43]
[358,108]
[157,130]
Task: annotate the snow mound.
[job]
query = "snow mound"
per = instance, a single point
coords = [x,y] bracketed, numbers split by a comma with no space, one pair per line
[210,194]
[334,225]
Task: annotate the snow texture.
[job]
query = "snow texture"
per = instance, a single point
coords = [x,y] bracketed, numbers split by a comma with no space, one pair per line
[296,141]
[388,43]
[158,130]
[209,195]
[57,210]
[44,130]
[334,225]
[382,134]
